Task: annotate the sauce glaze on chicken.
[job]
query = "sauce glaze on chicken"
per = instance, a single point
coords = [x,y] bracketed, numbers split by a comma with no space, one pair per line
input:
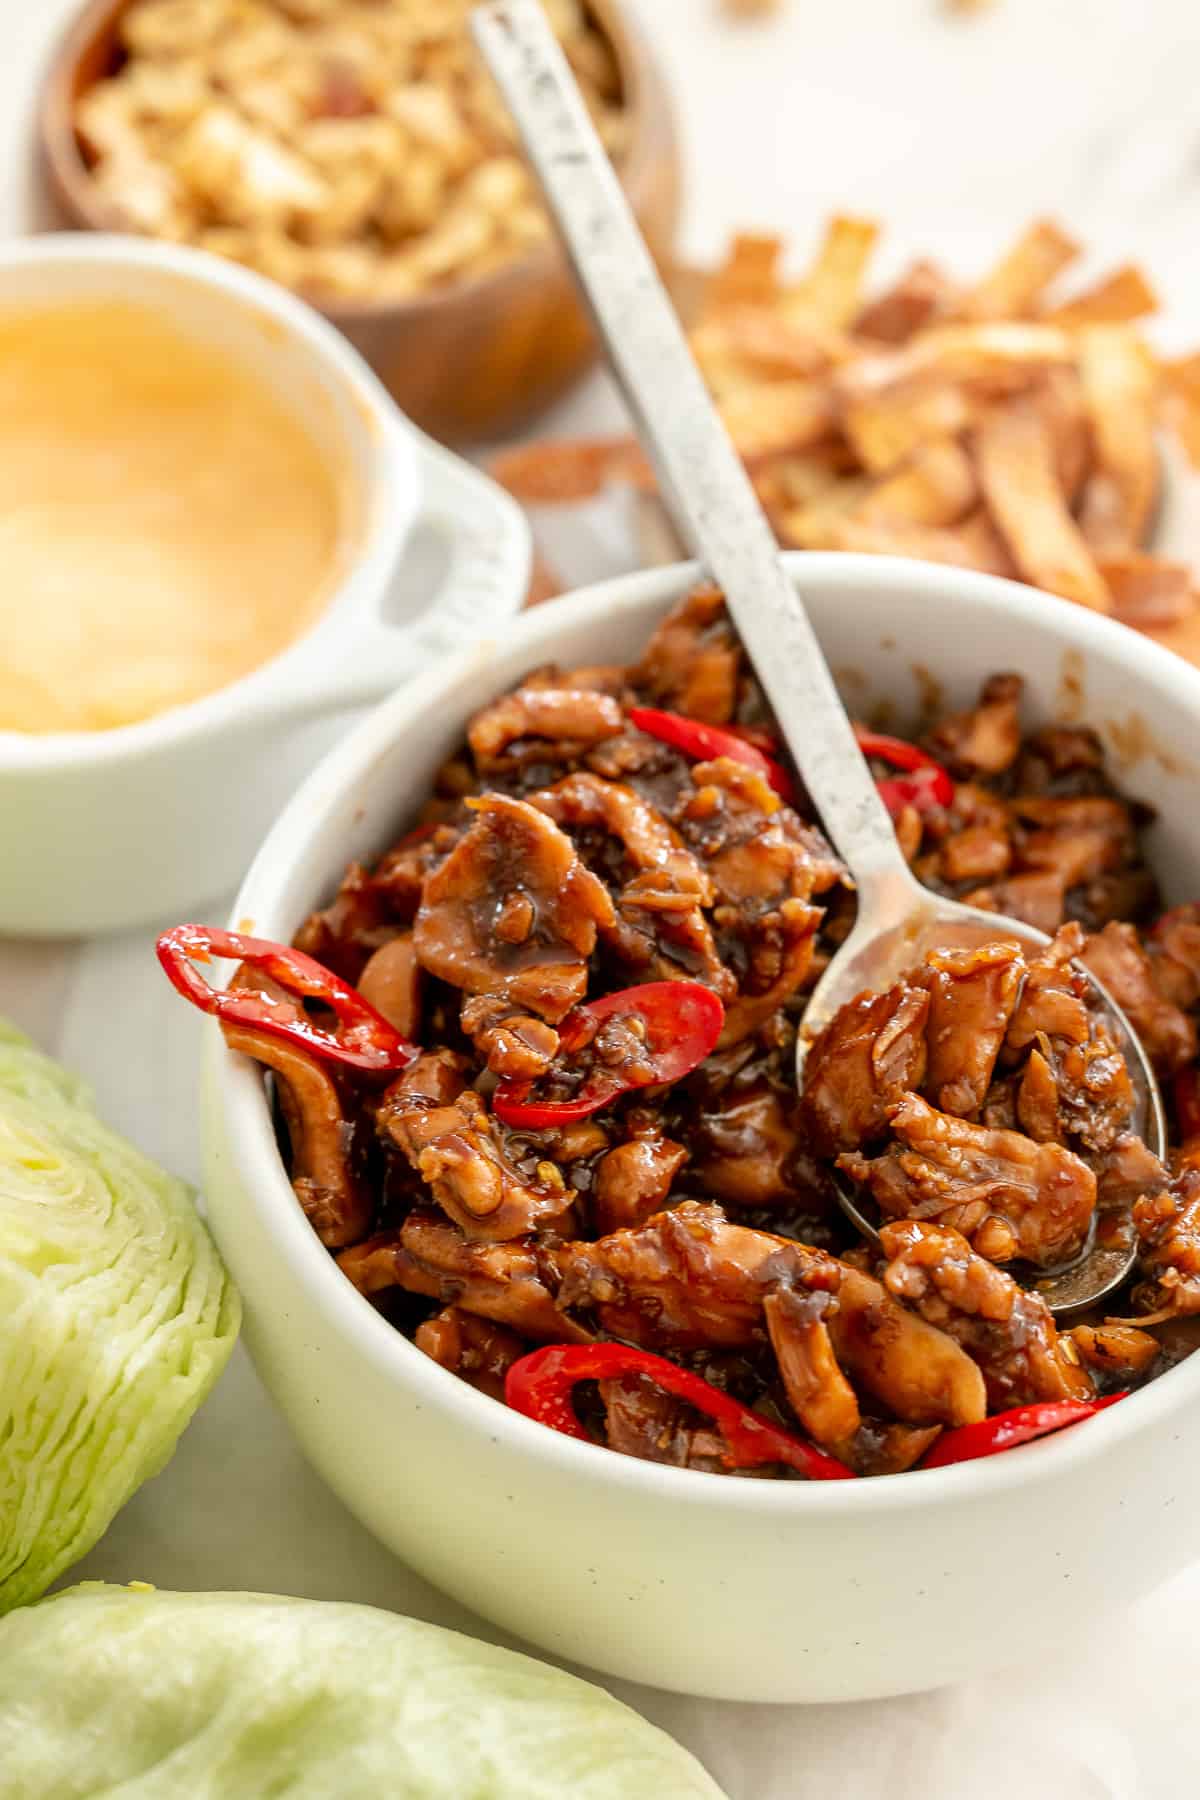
[566,854]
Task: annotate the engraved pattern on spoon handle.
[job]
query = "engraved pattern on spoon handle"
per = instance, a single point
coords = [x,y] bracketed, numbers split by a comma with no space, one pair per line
[705,487]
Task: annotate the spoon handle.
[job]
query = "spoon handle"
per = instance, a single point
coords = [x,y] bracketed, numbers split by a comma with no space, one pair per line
[704,485]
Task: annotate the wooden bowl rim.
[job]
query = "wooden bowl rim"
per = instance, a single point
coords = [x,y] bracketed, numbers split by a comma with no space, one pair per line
[641,83]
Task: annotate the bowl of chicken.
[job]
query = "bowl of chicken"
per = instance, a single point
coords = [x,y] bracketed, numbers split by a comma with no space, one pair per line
[538,1240]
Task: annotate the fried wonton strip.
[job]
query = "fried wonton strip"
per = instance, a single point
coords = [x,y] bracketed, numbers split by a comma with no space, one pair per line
[560,470]
[885,426]
[993,356]
[935,486]
[1120,388]
[1119,297]
[1015,459]
[1148,591]
[767,417]
[1181,375]
[831,290]
[972,545]
[787,481]
[1057,395]
[816,524]
[748,274]
[1182,416]
[922,294]
[1018,280]
[752,343]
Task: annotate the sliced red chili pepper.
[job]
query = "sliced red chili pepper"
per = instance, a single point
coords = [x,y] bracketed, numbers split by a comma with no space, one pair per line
[1185,1091]
[681,1022]
[1004,1431]
[362,1040]
[928,785]
[707,742]
[540,1386]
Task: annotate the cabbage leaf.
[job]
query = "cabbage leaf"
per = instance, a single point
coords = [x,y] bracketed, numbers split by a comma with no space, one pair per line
[108,1690]
[116,1317]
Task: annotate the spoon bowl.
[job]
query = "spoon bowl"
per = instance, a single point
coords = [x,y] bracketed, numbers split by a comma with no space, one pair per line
[903,923]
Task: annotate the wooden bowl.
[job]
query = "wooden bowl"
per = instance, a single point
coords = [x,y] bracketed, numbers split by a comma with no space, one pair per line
[470,361]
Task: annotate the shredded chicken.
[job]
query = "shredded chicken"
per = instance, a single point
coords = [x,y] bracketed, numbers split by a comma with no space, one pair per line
[692,663]
[336,1202]
[1005,1329]
[909,1366]
[687,1278]
[1010,1196]
[568,717]
[513,911]
[391,981]
[1168,1228]
[459,1150]
[765,866]
[986,739]
[972,995]
[481,1352]
[747,1147]
[872,1051]
[633,1181]
[660,929]
[510,1283]
[1116,957]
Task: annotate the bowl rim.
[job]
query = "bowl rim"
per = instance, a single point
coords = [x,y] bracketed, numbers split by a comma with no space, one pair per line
[70,172]
[390,489]
[238,1090]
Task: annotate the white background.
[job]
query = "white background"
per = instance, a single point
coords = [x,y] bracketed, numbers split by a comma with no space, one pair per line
[954,130]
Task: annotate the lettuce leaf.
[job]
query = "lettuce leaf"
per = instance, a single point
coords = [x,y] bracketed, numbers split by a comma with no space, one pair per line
[116,1317]
[156,1695]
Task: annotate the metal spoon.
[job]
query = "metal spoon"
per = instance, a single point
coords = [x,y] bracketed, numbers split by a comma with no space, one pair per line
[713,505]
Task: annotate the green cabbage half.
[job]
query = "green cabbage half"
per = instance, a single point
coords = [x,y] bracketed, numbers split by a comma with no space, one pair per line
[156,1696]
[116,1317]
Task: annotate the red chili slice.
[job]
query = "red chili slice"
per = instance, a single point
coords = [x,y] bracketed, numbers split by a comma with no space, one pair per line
[540,1386]
[362,1040]
[707,742]
[927,785]
[1004,1431]
[681,1021]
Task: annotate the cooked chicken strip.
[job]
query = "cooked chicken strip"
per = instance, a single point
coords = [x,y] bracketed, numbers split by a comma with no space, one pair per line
[972,996]
[504,1282]
[633,1181]
[872,1051]
[459,1149]
[817,1391]
[1168,1227]
[660,930]
[470,1346]
[391,982]
[570,717]
[336,1203]
[908,1365]
[1009,1195]
[688,1278]
[1116,957]
[513,911]
[1008,1331]
[987,738]
[693,661]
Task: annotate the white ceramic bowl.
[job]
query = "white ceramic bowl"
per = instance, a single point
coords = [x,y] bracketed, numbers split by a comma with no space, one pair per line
[102,829]
[739,1589]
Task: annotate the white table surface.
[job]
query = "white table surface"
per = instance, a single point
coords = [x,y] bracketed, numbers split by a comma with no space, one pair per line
[954,131]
